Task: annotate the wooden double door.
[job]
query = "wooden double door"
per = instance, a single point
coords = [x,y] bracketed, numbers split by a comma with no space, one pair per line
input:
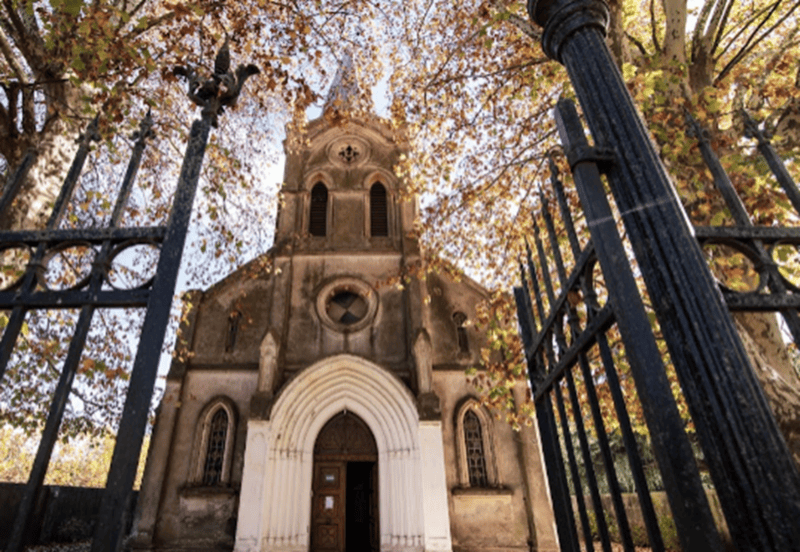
[344,511]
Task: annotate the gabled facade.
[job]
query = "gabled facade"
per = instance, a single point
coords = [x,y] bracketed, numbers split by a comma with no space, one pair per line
[316,404]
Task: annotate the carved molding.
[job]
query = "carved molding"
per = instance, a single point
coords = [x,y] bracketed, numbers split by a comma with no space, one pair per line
[268,363]
[423,359]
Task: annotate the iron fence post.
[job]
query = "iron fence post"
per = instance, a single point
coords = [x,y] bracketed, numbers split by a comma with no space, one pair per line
[755,477]
[111,522]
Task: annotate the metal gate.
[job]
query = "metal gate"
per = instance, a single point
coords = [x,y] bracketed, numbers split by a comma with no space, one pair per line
[28,292]
[568,342]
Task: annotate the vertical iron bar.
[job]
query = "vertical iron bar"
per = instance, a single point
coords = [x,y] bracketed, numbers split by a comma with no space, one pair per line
[548,284]
[551,449]
[566,214]
[524,315]
[556,477]
[10,334]
[551,234]
[545,417]
[536,369]
[687,498]
[577,484]
[535,282]
[62,201]
[772,158]
[114,507]
[145,131]
[594,490]
[721,180]
[605,450]
[12,188]
[20,534]
[631,447]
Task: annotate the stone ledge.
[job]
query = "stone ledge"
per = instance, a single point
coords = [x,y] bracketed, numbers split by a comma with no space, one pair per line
[482,491]
[207,491]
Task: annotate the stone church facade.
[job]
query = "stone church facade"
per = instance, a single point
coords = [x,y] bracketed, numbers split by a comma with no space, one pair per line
[316,404]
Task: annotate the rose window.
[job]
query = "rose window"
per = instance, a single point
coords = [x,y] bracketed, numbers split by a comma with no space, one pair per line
[346,307]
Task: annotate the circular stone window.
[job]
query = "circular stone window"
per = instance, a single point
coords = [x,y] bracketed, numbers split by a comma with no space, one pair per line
[347,304]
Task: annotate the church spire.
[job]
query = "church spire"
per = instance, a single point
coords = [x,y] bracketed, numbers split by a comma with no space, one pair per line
[344,93]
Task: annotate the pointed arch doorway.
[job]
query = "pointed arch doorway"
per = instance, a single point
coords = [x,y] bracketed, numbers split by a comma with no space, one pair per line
[344,510]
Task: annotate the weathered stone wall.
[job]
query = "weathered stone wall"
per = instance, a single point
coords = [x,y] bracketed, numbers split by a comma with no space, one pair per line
[492,518]
[190,512]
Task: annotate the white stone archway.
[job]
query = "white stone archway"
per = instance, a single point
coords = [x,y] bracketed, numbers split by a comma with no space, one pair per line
[275,499]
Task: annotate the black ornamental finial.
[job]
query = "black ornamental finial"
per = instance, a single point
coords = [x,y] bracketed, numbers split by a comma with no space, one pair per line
[222,88]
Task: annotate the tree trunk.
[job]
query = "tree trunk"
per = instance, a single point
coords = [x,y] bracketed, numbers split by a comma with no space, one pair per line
[33,204]
[616,33]
[775,369]
[675,35]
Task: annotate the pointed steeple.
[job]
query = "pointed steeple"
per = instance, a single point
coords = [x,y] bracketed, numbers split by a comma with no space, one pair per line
[344,94]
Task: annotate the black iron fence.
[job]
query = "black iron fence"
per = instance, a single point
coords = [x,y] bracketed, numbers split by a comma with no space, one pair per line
[587,348]
[29,291]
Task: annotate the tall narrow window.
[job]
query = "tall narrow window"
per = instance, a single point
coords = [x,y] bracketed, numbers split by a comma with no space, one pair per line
[476,456]
[460,320]
[233,330]
[318,216]
[215,449]
[378,213]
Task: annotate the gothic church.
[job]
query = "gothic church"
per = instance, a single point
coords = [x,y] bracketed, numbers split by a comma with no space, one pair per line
[312,405]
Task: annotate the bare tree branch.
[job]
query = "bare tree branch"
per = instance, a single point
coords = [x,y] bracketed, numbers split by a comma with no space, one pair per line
[638,44]
[653,30]
[8,53]
[721,28]
[752,41]
[525,26]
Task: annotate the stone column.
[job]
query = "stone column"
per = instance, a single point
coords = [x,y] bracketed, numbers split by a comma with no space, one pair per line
[254,479]
[435,507]
[147,506]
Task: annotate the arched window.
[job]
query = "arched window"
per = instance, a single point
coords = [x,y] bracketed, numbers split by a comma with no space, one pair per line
[476,465]
[378,211]
[460,320]
[318,214]
[214,443]
[215,448]
[234,318]
[476,456]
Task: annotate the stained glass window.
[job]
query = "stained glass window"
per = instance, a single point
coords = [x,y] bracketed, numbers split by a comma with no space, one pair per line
[215,450]
[476,457]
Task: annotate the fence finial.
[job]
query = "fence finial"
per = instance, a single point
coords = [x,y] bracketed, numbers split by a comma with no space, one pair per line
[145,130]
[221,89]
[693,127]
[751,129]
